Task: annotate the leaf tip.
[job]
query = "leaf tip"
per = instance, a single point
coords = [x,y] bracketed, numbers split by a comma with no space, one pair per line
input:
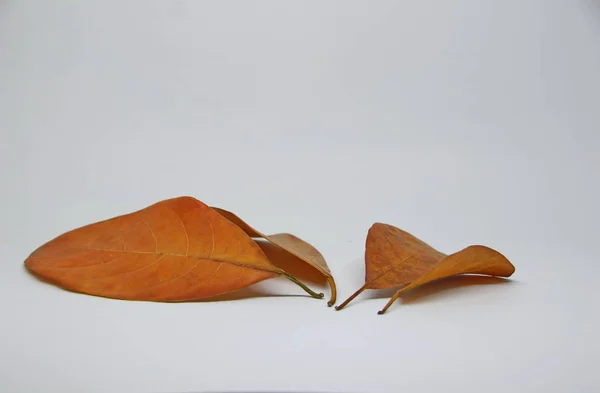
[377,225]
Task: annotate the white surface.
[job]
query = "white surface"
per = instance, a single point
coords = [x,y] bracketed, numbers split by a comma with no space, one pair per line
[464,122]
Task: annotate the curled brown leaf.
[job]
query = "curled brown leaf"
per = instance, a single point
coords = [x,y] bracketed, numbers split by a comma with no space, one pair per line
[395,258]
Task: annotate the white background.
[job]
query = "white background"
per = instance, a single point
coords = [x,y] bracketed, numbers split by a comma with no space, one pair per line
[462,122]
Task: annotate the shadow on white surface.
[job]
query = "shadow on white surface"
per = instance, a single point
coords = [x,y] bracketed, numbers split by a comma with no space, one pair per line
[440,289]
[263,391]
[244,293]
[592,7]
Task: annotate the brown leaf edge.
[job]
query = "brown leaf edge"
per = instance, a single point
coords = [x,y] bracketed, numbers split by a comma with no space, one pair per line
[291,244]
[466,261]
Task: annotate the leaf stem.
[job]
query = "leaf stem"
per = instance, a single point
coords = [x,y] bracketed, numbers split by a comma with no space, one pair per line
[391,301]
[331,301]
[301,285]
[355,294]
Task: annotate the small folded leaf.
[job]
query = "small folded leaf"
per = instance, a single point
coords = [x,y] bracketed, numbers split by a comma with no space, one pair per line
[291,244]
[394,258]
[175,250]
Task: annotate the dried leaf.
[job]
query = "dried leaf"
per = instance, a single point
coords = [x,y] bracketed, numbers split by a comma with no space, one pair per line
[291,244]
[175,250]
[394,258]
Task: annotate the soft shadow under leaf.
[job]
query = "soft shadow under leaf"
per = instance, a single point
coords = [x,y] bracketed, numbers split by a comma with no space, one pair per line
[244,293]
[439,288]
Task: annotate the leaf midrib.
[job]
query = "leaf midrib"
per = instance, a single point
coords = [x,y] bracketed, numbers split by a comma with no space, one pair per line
[277,271]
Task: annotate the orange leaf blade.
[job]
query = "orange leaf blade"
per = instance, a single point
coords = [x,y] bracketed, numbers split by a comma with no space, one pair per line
[175,250]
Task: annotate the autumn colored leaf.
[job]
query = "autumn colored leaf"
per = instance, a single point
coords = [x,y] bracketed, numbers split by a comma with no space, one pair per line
[175,250]
[397,259]
[291,244]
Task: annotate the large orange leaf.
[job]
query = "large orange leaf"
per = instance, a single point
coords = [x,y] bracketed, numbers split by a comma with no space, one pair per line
[175,250]
[291,244]
[394,258]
